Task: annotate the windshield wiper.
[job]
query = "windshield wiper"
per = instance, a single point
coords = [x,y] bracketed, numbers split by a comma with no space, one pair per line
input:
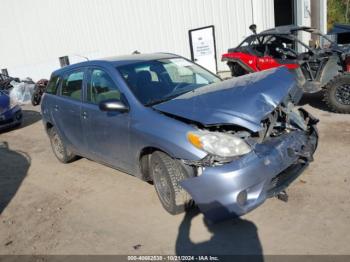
[158,101]
[167,98]
[164,99]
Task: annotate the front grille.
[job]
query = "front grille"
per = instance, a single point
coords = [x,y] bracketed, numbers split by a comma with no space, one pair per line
[279,180]
[284,179]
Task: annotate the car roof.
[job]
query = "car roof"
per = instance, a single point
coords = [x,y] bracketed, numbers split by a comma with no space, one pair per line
[117,61]
[286,30]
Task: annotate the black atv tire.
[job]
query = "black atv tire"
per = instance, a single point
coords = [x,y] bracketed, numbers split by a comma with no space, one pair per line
[36,99]
[58,147]
[167,174]
[236,69]
[331,94]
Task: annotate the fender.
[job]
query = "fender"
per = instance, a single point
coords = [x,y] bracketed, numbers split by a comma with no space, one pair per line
[268,62]
[330,70]
[248,62]
[252,63]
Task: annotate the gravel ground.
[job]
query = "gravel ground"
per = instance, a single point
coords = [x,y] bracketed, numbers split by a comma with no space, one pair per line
[86,208]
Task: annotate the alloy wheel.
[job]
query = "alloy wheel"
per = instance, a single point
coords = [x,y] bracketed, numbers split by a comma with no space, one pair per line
[342,94]
[162,185]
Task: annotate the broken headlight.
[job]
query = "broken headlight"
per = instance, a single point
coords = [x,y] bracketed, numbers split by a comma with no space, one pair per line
[219,144]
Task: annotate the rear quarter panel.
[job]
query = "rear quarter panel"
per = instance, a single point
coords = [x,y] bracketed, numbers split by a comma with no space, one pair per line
[46,109]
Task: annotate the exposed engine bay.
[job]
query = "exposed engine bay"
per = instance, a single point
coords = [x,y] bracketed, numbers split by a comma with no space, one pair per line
[283,120]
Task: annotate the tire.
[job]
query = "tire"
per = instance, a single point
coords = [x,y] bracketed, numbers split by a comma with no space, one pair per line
[19,117]
[337,94]
[59,149]
[236,69]
[167,174]
[35,99]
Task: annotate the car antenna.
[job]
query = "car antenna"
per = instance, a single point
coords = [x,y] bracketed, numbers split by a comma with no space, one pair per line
[87,59]
[136,52]
[253,28]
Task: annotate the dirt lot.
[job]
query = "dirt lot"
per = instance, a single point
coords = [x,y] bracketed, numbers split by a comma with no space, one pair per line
[50,208]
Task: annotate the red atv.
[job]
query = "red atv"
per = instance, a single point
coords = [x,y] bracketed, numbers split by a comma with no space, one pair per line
[317,68]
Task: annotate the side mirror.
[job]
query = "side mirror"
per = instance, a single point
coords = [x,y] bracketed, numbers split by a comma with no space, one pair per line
[113,105]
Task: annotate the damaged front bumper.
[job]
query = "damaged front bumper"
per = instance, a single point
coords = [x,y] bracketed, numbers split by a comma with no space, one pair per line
[235,188]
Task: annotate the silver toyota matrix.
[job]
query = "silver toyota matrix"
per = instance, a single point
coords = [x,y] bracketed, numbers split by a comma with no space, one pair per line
[224,145]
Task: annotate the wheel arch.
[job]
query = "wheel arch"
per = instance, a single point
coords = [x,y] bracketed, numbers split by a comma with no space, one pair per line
[48,126]
[234,61]
[144,161]
[145,158]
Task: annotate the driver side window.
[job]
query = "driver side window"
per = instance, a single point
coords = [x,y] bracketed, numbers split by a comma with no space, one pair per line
[101,87]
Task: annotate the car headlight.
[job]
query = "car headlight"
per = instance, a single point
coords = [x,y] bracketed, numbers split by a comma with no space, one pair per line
[219,144]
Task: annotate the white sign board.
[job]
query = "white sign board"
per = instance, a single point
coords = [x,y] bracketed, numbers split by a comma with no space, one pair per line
[203,52]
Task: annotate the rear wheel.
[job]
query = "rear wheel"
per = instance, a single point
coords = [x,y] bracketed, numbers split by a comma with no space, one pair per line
[167,173]
[337,94]
[36,98]
[58,147]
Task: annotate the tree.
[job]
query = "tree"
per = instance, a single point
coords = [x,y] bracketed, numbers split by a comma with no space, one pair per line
[338,12]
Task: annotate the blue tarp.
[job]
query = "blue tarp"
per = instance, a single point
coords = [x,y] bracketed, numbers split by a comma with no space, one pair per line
[340,28]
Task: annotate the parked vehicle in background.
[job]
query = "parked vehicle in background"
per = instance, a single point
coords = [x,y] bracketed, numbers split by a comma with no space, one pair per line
[324,66]
[39,90]
[27,80]
[10,113]
[227,145]
[5,81]
[340,33]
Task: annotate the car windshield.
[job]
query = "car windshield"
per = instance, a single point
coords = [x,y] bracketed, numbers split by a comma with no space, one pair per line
[157,81]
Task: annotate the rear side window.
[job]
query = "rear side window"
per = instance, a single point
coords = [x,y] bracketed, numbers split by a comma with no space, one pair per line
[72,85]
[52,85]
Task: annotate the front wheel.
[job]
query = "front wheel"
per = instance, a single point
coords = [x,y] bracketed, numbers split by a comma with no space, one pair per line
[337,94]
[167,173]
[18,117]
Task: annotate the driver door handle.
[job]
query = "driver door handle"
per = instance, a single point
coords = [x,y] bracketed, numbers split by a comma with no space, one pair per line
[84,115]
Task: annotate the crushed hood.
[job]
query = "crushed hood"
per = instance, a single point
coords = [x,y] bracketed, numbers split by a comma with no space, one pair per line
[242,101]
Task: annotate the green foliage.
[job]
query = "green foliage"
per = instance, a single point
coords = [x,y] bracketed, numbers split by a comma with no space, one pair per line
[338,12]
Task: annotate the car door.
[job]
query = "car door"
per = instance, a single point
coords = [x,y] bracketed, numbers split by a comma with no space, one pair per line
[67,110]
[105,133]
